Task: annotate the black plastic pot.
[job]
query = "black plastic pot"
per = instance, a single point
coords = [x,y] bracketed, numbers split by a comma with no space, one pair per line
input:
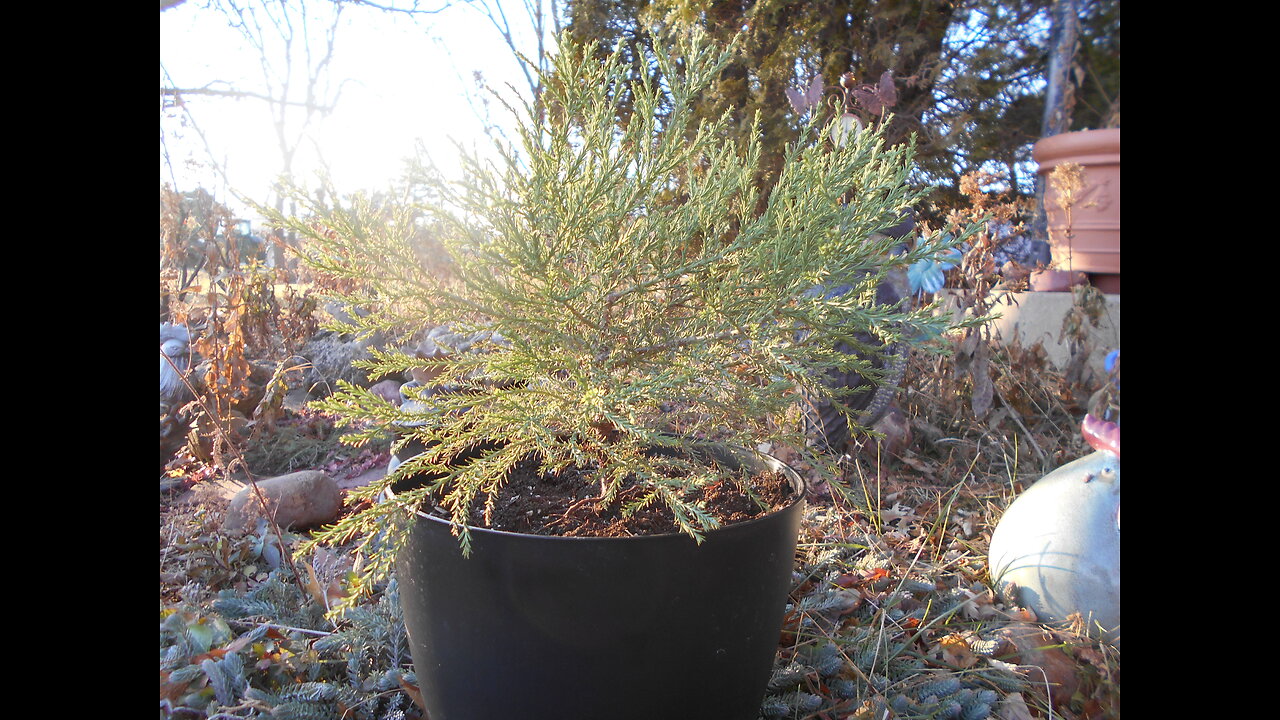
[656,627]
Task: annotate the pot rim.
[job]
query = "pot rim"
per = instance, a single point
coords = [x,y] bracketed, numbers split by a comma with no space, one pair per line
[1086,147]
[773,463]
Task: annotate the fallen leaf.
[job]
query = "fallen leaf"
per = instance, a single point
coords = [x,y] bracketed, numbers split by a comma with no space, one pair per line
[847,580]
[1014,274]
[1013,707]
[215,654]
[1092,656]
[239,643]
[1008,667]
[963,358]
[1021,614]
[918,465]
[897,512]
[414,693]
[980,605]
[965,520]
[876,574]
[847,602]
[1056,676]
[313,586]
[172,691]
[954,651]
[894,537]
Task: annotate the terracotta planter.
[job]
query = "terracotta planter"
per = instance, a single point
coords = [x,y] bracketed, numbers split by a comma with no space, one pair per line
[1053,281]
[1094,242]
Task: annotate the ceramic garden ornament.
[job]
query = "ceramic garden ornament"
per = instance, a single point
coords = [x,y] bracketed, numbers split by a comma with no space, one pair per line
[1056,551]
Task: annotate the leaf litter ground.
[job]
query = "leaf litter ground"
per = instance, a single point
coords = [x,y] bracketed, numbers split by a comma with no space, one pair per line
[891,613]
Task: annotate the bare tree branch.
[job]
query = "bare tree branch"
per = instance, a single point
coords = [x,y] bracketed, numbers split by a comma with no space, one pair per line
[178,93]
[204,140]
[537,18]
[412,10]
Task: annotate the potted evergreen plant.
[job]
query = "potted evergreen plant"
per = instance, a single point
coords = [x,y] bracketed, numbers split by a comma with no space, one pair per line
[636,328]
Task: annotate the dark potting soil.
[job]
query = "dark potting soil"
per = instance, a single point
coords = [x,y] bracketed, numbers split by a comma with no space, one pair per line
[567,505]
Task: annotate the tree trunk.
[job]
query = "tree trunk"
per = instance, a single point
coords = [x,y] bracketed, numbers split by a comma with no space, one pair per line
[1059,95]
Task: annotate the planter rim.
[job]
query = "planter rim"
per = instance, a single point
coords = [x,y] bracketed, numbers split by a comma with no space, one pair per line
[1101,146]
[773,463]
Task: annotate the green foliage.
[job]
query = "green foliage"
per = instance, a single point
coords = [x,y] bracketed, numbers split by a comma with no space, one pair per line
[616,312]
[374,640]
[277,599]
[785,44]
[239,639]
[281,668]
[969,73]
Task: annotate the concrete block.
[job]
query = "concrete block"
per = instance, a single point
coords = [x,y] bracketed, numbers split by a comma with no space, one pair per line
[1038,316]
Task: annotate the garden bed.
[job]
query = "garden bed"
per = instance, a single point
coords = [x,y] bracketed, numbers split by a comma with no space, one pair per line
[891,608]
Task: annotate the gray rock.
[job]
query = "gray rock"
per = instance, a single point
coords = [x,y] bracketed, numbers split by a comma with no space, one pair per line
[344,313]
[388,390]
[302,499]
[330,357]
[442,341]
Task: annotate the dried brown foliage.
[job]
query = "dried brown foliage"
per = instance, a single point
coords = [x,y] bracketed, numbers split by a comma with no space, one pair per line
[230,303]
[996,401]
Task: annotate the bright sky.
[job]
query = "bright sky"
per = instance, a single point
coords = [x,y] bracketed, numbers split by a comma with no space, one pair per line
[403,80]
